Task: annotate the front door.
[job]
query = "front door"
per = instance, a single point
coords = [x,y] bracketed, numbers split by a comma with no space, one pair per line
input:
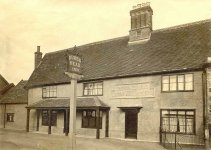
[131,118]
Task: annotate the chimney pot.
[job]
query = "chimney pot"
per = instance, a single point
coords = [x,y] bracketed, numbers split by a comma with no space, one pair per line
[38,48]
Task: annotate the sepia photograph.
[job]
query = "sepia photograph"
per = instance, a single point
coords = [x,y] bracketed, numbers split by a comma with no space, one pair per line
[105,75]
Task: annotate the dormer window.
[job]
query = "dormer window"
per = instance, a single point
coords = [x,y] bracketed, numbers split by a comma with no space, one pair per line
[49,91]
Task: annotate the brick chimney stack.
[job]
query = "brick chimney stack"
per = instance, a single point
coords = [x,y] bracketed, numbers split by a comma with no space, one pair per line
[38,57]
[141,23]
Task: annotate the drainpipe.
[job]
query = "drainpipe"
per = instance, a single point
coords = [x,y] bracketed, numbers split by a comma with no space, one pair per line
[5,107]
[205,108]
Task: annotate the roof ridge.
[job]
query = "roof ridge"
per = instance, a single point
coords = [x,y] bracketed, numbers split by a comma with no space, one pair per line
[182,25]
[122,37]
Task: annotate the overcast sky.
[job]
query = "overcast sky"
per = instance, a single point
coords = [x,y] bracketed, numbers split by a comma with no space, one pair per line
[60,24]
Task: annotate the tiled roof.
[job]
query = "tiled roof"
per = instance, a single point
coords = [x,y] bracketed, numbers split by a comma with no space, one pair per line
[85,102]
[183,47]
[6,88]
[16,95]
[3,79]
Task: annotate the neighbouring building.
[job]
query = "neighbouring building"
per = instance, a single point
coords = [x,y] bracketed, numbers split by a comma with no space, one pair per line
[12,107]
[146,86]
[4,85]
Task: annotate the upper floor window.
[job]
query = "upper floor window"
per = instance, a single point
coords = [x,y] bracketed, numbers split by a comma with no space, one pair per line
[49,91]
[95,88]
[181,82]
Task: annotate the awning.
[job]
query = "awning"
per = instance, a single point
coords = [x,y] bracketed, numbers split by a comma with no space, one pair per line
[62,103]
[128,108]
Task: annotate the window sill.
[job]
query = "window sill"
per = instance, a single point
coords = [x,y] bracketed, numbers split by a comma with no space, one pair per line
[176,91]
[90,127]
[92,95]
[48,97]
[179,133]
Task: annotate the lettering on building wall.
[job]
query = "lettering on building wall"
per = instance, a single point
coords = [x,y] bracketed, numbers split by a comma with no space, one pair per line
[137,90]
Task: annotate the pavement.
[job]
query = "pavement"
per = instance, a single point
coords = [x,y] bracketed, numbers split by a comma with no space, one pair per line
[21,140]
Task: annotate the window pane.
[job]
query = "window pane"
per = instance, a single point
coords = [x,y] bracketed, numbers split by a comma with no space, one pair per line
[100,85]
[181,126]
[93,113]
[84,113]
[44,117]
[165,79]
[188,77]
[165,87]
[180,86]
[189,113]
[92,122]
[173,79]
[100,91]
[180,78]
[85,122]
[189,86]
[166,124]
[173,85]
[189,125]
[173,124]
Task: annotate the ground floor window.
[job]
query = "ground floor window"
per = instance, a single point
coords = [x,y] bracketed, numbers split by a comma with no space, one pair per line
[10,117]
[46,115]
[89,119]
[180,121]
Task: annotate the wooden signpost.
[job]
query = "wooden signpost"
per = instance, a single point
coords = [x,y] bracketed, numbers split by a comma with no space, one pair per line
[74,72]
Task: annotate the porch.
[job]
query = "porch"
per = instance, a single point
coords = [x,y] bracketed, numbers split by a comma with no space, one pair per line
[91,109]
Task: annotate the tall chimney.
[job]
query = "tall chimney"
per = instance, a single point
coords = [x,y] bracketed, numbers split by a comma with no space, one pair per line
[37,57]
[141,23]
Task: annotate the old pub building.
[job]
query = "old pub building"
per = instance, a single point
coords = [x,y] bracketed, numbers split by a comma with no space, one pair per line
[142,86]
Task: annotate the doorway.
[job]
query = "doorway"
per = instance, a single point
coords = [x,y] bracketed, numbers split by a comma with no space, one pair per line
[131,120]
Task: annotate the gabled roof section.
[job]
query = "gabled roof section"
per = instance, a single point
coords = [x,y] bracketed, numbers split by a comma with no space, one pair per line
[183,47]
[16,95]
[3,79]
[3,82]
[6,88]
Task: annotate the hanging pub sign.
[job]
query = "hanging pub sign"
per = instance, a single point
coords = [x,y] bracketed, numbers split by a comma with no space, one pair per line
[74,63]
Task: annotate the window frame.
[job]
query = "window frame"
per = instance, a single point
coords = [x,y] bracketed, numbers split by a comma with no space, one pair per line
[12,116]
[49,91]
[91,117]
[87,83]
[177,83]
[53,118]
[186,116]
